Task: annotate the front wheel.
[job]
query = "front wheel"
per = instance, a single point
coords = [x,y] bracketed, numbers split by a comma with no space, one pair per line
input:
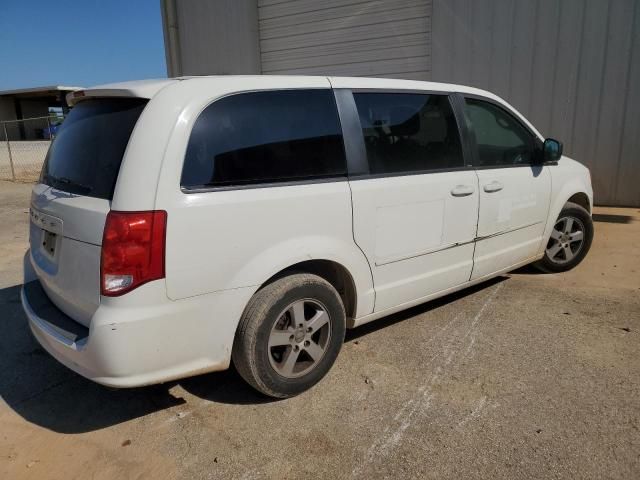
[289,335]
[570,240]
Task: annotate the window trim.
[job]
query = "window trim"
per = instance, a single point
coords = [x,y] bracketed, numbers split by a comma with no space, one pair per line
[250,186]
[415,173]
[357,161]
[471,134]
[270,184]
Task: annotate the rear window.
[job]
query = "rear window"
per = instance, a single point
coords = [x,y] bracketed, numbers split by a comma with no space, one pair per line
[86,154]
[265,137]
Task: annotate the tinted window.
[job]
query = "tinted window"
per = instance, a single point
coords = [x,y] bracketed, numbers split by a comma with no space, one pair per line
[265,137]
[86,154]
[501,139]
[408,132]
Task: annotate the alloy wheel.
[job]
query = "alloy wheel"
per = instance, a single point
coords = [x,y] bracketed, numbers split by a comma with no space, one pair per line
[299,338]
[567,238]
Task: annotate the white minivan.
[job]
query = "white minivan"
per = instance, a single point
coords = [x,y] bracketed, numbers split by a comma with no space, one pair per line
[181,224]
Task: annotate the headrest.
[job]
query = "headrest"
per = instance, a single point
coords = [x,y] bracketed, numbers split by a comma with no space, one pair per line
[404,121]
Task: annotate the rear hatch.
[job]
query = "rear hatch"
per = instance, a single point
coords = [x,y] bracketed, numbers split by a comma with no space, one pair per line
[69,205]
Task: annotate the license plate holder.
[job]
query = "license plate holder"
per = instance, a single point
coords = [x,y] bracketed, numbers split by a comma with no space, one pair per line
[49,242]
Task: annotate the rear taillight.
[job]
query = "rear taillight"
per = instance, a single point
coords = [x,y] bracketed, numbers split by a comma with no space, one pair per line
[132,250]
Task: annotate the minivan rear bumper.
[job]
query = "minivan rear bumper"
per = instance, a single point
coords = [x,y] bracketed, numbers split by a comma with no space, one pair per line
[54,330]
[131,345]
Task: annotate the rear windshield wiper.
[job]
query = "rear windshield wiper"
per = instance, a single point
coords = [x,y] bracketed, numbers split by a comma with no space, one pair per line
[72,183]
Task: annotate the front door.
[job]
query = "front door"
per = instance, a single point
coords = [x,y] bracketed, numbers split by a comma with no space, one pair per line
[415,211]
[515,190]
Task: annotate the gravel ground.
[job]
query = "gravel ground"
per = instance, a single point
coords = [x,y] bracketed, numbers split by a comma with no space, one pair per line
[527,376]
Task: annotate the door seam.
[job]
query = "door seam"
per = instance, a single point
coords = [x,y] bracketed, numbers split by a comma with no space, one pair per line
[475,240]
[353,235]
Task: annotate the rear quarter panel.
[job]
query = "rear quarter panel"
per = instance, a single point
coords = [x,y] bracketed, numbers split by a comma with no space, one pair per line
[230,239]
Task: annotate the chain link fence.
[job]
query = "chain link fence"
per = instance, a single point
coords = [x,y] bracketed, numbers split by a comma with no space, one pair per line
[24,145]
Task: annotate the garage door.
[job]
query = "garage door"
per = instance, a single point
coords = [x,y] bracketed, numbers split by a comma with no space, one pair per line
[346,37]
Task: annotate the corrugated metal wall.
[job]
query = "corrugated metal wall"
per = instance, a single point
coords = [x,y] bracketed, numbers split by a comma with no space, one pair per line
[346,37]
[571,66]
[204,37]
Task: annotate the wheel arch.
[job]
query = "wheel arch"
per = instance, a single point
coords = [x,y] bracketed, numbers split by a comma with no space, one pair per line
[339,261]
[333,272]
[582,199]
[572,191]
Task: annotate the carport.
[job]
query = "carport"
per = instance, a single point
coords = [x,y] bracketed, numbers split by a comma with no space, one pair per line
[19,106]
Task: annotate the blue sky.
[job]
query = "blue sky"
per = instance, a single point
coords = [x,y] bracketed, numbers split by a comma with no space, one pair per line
[84,43]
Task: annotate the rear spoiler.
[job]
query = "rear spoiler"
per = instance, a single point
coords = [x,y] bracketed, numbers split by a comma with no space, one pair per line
[79,95]
[137,89]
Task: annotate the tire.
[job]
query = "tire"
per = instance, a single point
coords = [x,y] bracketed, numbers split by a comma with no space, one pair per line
[565,235]
[278,350]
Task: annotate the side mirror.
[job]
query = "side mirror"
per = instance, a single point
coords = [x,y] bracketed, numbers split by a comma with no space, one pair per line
[551,150]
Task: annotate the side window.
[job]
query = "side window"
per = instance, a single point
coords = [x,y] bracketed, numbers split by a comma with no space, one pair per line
[502,140]
[406,132]
[264,137]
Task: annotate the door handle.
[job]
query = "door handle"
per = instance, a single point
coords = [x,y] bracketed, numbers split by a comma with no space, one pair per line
[462,190]
[494,186]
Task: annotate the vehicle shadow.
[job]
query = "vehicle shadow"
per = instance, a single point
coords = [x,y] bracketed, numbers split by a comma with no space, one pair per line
[229,387]
[611,218]
[48,394]
[44,392]
[529,270]
[356,333]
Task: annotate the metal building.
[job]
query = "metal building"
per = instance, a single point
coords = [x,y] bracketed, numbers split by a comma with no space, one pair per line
[571,66]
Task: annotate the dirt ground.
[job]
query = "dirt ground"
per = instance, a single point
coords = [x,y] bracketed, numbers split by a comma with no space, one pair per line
[527,376]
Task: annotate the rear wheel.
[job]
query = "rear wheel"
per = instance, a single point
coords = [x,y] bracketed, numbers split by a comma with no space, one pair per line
[570,240]
[290,335]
